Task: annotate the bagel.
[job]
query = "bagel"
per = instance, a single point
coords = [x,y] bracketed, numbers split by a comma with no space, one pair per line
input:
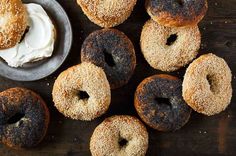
[13,22]
[24,118]
[119,136]
[114,52]
[207,85]
[168,49]
[159,103]
[82,92]
[107,13]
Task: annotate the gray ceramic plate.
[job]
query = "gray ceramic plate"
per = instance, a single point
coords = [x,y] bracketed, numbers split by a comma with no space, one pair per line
[44,68]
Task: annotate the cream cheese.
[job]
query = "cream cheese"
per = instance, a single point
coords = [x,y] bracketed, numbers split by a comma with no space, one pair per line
[38,42]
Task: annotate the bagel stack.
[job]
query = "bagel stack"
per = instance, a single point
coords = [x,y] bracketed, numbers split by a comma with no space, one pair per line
[171,39]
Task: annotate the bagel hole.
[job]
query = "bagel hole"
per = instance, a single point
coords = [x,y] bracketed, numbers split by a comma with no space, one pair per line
[83,95]
[123,142]
[171,39]
[163,101]
[180,2]
[109,59]
[210,82]
[15,118]
[26,31]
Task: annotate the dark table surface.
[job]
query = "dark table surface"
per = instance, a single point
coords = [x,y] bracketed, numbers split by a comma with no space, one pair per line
[202,135]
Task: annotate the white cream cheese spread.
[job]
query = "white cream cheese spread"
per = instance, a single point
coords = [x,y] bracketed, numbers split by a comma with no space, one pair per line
[38,42]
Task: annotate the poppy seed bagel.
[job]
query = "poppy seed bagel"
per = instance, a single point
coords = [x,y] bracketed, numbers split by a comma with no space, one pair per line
[159,102]
[24,118]
[177,13]
[114,52]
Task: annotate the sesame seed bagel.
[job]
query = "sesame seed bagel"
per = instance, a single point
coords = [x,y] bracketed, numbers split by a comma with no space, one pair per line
[119,136]
[13,22]
[177,13]
[24,118]
[159,103]
[107,13]
[82,92]
[114,52]
[207,85]
[169,49]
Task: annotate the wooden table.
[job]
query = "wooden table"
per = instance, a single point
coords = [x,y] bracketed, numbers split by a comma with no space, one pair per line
[201,136]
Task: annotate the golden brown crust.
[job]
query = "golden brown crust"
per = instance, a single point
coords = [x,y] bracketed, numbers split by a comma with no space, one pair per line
[17,135]
[107,13]
[13,22]
[168,77]
[207,85]
[83,77]
[106,137]
[166,56]
[177,13]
